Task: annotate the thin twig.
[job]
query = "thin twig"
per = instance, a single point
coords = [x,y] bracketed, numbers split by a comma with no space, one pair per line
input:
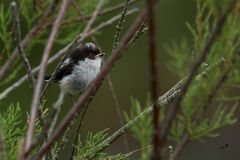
[57,108]
[179,148]
[93,18]
[43,65]
[172,111]
[108,22]
[78,134]
[153,80]
[143,29]
[118,109]
[95,84]
[53,120]
[19,46]
[51,7]
[119,26]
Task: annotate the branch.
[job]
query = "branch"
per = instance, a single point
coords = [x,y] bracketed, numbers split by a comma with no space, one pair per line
[78,134]
[19,46]
[43,65]
[203,54]
[51,8]
[109,22]
[153,80]
[119,26]
[180,147]
[118,109]
[94,16]
[90,91]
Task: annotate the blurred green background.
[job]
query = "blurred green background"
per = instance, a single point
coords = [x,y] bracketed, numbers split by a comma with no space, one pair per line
[130,77]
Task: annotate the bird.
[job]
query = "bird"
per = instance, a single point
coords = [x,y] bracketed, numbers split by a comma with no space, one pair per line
[79,69]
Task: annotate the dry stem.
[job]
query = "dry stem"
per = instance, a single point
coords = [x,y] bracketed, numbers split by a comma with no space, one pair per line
[43,65]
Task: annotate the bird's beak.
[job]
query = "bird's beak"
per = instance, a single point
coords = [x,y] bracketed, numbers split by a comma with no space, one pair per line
[100,55]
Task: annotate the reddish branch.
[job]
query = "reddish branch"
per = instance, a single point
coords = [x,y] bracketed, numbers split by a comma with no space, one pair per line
[43,65]
[153,79]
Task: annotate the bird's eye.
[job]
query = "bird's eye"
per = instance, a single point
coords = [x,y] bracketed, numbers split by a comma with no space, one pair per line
[92,55]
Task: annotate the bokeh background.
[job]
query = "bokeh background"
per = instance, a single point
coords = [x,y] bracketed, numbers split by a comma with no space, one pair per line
[130,77]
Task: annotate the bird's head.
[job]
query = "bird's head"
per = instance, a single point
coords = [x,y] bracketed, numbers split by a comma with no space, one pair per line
[87,50]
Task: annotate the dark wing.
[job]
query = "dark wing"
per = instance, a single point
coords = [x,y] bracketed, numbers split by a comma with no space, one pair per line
[63,71]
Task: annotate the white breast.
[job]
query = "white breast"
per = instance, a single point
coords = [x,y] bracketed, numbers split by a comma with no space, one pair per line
[82,75]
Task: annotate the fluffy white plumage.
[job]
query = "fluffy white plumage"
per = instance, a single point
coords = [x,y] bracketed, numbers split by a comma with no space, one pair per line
[82,75]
